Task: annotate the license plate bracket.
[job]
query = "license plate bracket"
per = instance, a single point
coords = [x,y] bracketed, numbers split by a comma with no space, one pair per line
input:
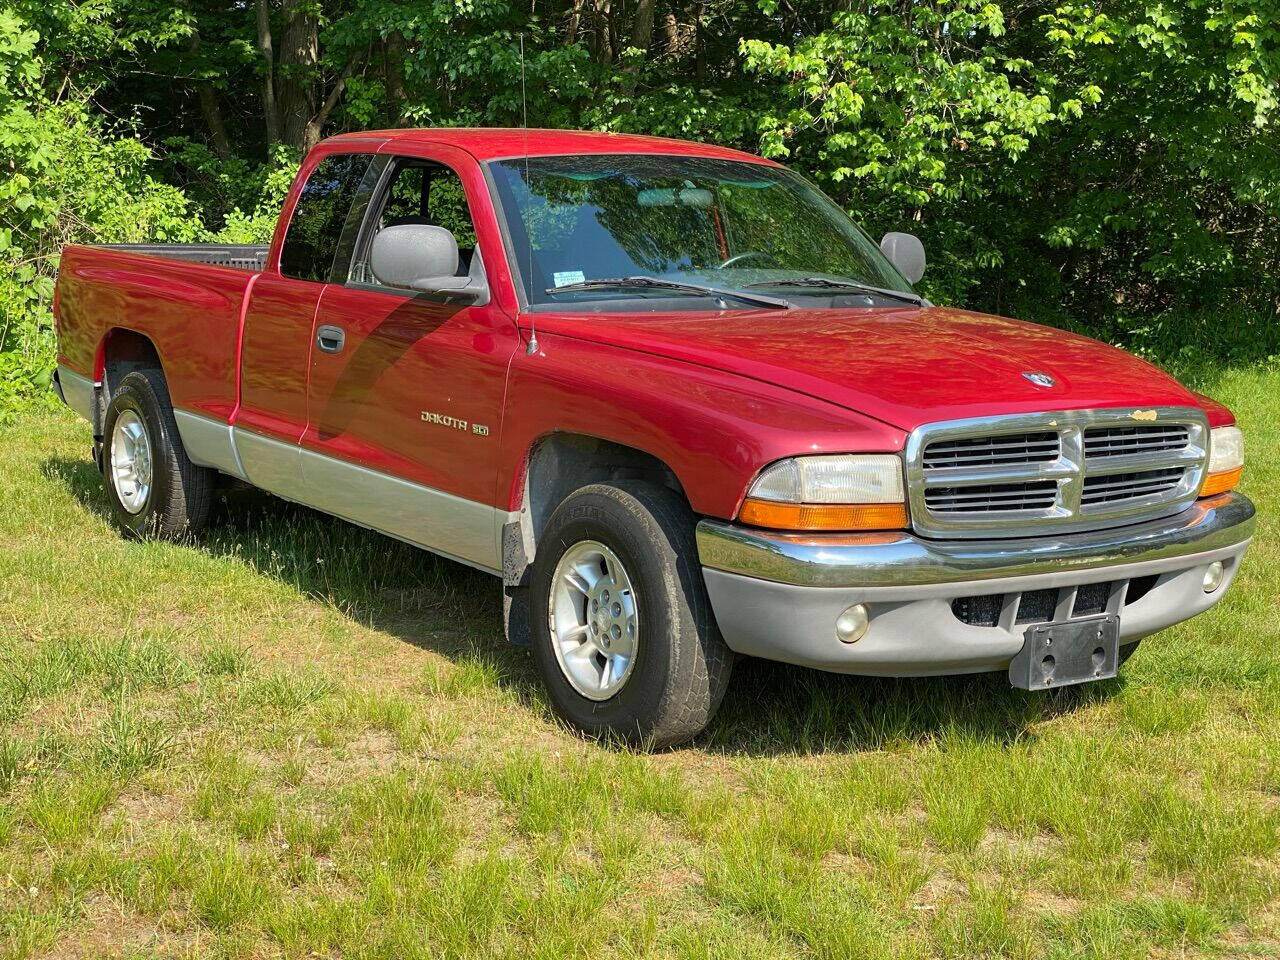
[1067,652]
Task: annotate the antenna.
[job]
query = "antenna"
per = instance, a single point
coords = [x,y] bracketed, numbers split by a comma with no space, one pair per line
[532,348]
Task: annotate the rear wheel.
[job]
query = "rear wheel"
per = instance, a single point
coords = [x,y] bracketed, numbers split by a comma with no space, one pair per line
[623,634]
[153,488]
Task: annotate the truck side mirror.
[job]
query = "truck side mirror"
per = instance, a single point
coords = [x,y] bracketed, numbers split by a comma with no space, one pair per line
[906,253]
[423,257]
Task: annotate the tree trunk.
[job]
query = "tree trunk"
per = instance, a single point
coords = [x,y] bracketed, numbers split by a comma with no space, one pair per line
[641,39]
[642,28]
[299,55]
[209,106]
[670,35]
[315,124]
[699,53]
[394,50]
[602,42]
[575,20]
[270,110]
[212,111]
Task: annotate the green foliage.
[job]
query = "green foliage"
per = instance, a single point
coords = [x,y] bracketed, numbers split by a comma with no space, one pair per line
[68,180]
[272,181]
[1098,160]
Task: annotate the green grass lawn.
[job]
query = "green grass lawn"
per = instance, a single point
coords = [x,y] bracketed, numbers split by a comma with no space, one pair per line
[296,738]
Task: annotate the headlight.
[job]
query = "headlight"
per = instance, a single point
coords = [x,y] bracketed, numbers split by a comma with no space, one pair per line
[845,492]
[1226,460]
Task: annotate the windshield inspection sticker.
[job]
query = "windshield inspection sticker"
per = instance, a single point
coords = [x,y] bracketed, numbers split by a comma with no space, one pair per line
[565,277]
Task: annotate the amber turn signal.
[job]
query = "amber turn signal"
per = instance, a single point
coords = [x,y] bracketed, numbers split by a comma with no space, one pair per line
[1221,482]
[823,516]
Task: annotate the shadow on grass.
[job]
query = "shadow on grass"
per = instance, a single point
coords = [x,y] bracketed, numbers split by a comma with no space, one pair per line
[449,608]
[775,708]
[425,600]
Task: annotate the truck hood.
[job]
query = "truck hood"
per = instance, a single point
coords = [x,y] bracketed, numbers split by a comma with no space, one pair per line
[904,367]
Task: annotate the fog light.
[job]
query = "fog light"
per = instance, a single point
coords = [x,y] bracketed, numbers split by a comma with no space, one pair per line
[852,624]
[1213,577]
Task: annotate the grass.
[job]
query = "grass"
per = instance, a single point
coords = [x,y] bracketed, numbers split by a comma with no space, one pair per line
[295,738]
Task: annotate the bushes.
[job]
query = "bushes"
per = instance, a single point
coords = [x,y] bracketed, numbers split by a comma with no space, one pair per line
[67,180]
[71,182]
[73,179]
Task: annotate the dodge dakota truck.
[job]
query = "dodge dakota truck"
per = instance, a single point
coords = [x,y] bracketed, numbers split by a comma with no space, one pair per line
[677,402]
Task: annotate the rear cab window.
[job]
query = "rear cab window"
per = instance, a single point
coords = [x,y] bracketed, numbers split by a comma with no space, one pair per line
[327,218]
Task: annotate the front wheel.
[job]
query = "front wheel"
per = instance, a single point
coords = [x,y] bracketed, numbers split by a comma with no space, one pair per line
[623,633]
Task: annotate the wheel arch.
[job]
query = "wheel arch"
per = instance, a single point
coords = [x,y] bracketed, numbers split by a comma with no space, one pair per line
[119,351]
[561,462]
[554,466]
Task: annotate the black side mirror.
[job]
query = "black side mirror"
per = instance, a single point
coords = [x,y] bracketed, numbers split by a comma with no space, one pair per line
[423,257]
[906,253]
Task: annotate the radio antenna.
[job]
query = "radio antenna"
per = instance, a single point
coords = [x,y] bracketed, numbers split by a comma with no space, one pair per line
[532,348]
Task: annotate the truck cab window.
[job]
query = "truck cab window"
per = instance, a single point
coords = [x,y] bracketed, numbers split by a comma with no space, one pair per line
[318,221]
[420,191]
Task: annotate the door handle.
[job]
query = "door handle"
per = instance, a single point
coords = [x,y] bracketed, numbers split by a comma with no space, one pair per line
[330,339]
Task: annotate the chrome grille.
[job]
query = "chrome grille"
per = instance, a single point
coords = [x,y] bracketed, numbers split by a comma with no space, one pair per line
[1014,611]
[1035,495]
[1054,472]
[1123,441]
[1111,487]
[1041,447]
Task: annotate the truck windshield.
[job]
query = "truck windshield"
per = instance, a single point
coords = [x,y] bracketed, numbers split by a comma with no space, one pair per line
[724,224]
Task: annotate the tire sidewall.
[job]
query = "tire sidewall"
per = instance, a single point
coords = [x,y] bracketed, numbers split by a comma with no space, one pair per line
[595,517]
[135,394]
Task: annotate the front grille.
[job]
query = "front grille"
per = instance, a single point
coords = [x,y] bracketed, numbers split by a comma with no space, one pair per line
[1102,442]
[1091,599]
[1031,495]
[1037,606]
[1040,447]
[1016,610]
[1113,487]
[1047,473]
[978,611]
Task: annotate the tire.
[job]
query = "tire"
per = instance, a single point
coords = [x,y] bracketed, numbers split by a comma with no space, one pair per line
[175,501]
[679,666]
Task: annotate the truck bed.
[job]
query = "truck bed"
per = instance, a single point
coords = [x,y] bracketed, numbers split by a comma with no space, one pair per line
[241,256]
[186,299]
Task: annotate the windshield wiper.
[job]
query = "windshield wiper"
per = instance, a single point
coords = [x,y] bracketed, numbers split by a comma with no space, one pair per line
[828,283]
[657,283]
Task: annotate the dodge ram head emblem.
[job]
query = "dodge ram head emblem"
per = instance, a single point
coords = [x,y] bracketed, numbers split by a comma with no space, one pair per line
[1039,379]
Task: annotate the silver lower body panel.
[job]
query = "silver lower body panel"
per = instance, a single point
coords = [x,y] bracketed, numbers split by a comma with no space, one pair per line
[451,526]
[210,443]
[76,392]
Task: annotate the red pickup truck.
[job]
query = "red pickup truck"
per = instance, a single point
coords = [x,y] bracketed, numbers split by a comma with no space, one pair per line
[677,401]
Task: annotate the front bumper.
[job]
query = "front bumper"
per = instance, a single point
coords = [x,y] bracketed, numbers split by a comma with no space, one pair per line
[778,595]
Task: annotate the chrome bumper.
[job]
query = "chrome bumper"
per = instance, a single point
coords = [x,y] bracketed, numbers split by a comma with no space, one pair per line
[901,559]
